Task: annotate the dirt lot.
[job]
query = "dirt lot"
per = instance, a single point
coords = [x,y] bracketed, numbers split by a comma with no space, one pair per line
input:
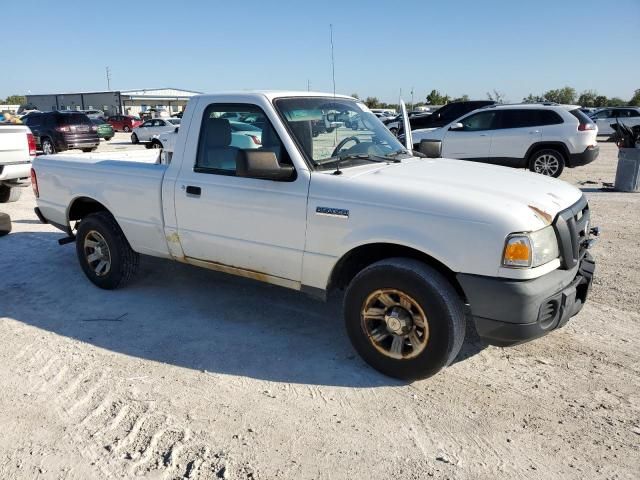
[189,373]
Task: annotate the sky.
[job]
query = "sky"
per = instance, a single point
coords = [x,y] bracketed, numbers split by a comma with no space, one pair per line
[457,47]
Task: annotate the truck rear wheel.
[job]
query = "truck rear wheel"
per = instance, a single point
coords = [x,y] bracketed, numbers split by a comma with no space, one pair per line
[404,318]
[104,252]
[9,194]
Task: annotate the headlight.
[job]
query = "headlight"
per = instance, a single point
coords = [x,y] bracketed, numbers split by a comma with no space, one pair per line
[523,250]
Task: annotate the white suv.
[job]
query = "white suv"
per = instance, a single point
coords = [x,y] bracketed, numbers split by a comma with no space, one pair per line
[542,137]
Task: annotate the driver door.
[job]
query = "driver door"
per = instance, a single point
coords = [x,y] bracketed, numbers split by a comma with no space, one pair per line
[247,223]
[473,140]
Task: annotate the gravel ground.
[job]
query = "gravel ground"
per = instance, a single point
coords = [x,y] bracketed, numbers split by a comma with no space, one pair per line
[192,374]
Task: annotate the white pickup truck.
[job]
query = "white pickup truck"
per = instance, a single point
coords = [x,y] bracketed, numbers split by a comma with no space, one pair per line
[17,150]
[416,244]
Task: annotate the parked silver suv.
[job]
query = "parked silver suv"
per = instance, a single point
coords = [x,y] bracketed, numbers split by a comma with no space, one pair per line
[545,138]
[605,117]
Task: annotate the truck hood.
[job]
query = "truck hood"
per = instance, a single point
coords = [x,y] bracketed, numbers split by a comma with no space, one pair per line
[469,190]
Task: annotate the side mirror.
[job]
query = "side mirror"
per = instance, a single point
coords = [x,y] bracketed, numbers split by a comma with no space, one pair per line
[262,164]
[456,126]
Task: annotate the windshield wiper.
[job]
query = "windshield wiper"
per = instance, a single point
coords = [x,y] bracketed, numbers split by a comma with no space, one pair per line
[353,156]
[395,154]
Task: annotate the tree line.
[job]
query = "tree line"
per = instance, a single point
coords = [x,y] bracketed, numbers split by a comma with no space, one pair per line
[14,100]
[565,95]
[588,98]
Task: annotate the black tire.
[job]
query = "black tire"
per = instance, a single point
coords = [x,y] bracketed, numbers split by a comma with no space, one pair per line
[394,130]
[47,146]
[126,128]
[548,161]
[134,139]
[87,150]
[106,139]
[123,260]
[442,307]
[5,224]
[156,144]
[9,194]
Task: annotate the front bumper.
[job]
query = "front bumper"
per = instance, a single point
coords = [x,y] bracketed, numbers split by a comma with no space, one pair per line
[583,158]
[507,312]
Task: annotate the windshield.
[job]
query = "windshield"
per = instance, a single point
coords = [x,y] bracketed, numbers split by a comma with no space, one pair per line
[332,130]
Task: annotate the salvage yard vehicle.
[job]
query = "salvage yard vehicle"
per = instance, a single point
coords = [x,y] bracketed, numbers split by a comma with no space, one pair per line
[124,123]
[103,129]
[416,244]
[60,131]
[17,150]
[605,117]
[446,114]
[544,138]
[153,127]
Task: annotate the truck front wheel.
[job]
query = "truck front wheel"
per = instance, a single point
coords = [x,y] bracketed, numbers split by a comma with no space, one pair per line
[404,318]
[104,252]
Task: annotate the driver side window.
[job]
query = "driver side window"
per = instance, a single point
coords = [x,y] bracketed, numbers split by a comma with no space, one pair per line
[479,121]
[229,130]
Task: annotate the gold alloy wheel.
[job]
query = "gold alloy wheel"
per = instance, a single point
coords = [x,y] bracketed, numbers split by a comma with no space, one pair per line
[395,324]
[97,253]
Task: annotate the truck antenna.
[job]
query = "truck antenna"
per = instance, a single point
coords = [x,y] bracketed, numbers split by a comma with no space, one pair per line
[333,75]
[333,63]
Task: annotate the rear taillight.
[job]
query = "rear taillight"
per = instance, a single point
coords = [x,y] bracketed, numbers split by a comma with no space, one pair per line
[63,129]
[34,183]
[586,126]
[31,141]
[255,139]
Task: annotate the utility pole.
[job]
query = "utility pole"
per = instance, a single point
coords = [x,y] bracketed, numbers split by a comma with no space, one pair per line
[308,85]
[411,108]
[108,79]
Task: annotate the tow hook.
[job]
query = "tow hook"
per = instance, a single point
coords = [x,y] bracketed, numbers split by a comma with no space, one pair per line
[589,242]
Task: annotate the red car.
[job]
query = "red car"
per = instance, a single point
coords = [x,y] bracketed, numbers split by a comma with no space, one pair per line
[124,122]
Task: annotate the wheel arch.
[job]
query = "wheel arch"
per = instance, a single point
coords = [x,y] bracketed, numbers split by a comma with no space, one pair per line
[360,257]
[82,206]
[536,147]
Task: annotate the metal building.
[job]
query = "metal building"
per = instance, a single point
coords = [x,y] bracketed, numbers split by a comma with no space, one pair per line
[129,102]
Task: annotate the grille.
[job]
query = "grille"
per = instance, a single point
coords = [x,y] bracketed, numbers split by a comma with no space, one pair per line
[572,230]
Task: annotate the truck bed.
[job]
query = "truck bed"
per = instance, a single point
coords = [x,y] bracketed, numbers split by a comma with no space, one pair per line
[128,185]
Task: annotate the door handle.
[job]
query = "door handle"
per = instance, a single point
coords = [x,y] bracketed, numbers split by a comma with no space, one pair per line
[191,190]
